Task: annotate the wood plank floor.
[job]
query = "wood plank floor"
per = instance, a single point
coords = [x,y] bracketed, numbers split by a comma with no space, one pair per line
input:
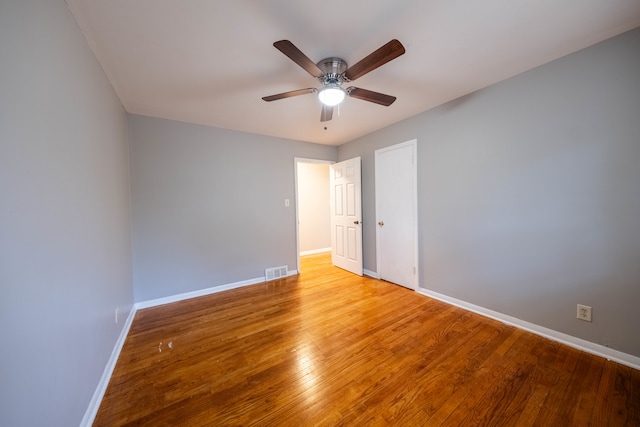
[330,348]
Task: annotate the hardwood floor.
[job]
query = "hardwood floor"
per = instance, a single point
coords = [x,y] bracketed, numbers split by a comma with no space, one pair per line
[330,348]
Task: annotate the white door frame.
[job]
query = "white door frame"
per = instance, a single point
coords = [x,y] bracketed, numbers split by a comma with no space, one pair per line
[412,143]
[297,160]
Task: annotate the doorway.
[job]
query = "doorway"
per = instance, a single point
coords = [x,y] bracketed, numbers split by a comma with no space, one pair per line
[313,228]
[328,211]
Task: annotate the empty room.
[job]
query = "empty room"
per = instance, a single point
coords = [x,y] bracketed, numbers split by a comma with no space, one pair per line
[370,212]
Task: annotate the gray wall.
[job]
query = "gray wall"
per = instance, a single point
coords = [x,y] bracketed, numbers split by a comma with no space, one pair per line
[529,194]
[208,205]
[65,257]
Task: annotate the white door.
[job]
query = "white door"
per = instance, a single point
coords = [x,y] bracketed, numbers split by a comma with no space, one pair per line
[396,214]
[346,215]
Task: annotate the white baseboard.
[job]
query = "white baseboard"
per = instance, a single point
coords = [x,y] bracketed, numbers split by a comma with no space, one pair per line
[315,251]
[370,273]
[96,399]
[198,293]
[94,404]
[203,292]
[571,341]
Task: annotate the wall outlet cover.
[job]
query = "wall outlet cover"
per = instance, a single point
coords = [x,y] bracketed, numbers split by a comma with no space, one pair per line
[584,312]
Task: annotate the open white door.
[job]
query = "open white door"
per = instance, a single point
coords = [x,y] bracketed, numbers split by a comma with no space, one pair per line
[346,214]
[396,214]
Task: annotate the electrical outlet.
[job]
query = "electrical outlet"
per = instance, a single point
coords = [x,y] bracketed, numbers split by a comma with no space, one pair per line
[584,313]
[117,310]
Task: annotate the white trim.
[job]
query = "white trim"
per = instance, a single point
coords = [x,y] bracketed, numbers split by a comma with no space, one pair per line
[202,292]
[315,251]
[571,341]
[96,400]
[413,143]
[98,394]
[199,293]
[370,273]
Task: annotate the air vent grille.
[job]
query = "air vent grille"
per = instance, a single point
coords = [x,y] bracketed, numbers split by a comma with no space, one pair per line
[275,273]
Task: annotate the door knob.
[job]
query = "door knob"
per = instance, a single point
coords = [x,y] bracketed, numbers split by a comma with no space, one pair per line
[381,223]
[356,222]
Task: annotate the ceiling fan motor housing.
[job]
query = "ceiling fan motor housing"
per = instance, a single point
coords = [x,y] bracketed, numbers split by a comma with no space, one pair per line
[333,69]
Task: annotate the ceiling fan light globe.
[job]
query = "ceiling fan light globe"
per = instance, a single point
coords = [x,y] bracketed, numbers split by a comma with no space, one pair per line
[331,96]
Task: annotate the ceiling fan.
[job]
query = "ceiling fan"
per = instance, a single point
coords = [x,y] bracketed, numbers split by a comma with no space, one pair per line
[333,72]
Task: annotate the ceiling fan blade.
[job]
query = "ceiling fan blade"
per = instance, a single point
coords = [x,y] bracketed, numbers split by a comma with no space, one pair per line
[371,96]
[296,55]
[289,94]
[384,54]
[327,113]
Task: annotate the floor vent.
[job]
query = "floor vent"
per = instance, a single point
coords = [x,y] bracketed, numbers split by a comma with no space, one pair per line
[275,273]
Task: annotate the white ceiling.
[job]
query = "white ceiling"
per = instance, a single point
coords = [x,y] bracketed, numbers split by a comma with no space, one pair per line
[211,61]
